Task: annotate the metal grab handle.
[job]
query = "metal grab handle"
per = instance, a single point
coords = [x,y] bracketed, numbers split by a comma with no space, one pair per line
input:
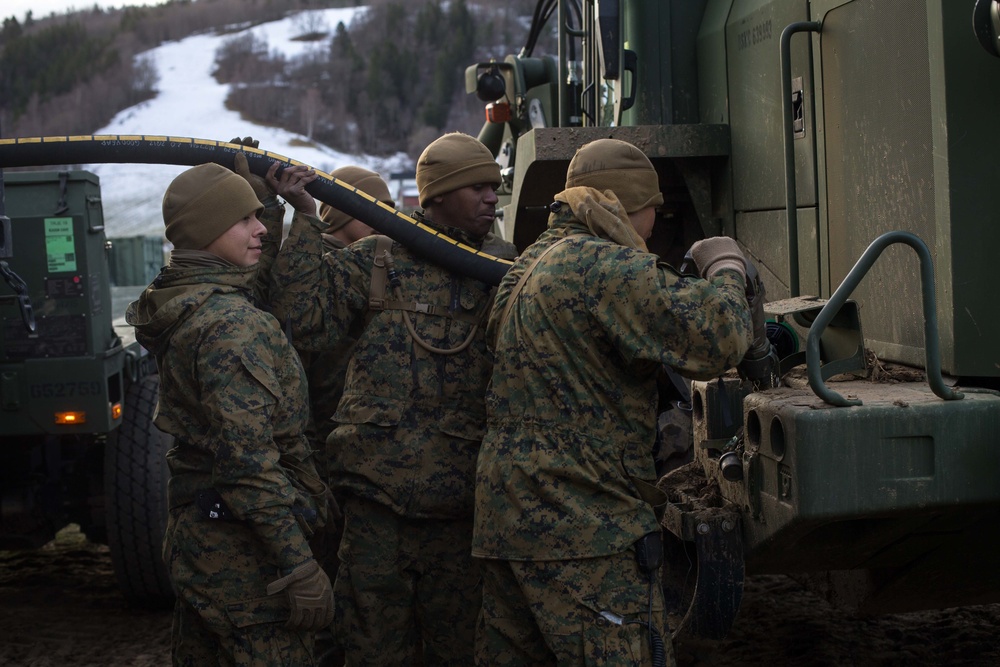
[932,354]
[791,214]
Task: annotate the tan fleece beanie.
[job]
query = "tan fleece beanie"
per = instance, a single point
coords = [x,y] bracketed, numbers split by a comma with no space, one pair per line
[367,181]
[452,162]
[203,202]
[612,164]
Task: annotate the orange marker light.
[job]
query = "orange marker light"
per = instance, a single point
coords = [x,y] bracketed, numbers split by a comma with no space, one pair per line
[498,112]
[116,411]
[71,418]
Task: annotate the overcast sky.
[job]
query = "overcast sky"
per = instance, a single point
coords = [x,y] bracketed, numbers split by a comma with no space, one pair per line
[42,8]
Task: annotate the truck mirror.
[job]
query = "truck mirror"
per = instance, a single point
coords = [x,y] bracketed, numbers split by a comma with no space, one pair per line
[490,85]
[986,25]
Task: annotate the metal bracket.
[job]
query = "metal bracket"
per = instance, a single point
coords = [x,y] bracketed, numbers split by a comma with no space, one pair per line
[718,590]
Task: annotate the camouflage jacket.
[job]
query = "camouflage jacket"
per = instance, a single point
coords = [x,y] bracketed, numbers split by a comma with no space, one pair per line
[325,371]
[233,395]
[572,404]
[273,219]
[409,424]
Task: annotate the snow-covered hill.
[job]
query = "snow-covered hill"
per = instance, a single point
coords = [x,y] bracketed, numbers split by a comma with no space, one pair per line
[191,103]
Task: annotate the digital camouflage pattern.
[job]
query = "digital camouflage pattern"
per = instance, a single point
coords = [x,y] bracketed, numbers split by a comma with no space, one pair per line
[233,394]
[545,613]
[425,560]
[325,372]
[572,405]
[410,421]
[273,219]
[403,450]
[223,615]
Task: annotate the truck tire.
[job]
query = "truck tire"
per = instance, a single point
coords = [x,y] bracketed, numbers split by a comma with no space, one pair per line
[135,483]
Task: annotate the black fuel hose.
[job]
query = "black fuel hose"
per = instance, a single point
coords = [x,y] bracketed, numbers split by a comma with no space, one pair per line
[145,149]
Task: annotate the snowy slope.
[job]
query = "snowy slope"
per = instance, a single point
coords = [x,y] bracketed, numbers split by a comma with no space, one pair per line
[190,103]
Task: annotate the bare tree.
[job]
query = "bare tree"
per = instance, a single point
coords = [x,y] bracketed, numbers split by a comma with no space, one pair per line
[311,108]
[310,25]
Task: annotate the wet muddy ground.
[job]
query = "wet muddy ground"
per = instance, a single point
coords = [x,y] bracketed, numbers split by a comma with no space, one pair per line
[60,606]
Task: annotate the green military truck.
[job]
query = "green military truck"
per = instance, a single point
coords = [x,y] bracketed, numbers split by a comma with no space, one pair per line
[77,392]
[829,138]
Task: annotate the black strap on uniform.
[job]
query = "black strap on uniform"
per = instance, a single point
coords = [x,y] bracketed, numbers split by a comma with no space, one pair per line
[377,297]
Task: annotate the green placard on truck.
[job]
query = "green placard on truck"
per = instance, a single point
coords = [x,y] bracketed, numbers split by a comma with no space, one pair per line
[60,247]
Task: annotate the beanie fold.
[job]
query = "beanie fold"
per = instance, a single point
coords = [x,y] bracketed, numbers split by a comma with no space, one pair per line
[612,164]
[203,202]
[454,161]
[361,179]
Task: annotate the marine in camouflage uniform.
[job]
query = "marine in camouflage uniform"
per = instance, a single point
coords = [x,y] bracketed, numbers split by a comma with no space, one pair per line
[409,424]
[326,369]
[243,494]
[562,489]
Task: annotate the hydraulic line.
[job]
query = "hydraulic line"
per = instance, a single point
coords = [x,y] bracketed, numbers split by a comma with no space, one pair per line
[146,149]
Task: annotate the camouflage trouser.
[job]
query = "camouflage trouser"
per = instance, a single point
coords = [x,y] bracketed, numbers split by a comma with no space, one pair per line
[405,587]
[223,616]
[537,614]
[326,543]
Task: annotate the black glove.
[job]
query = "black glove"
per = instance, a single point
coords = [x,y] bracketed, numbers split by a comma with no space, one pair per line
[755,299]
[245,141]
[760,363]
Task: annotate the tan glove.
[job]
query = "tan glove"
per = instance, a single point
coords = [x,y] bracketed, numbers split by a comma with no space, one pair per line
[714,254]
[310,597]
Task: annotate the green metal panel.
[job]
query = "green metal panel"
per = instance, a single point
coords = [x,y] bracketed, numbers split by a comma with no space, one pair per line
[970,204]
[763,234]
[661,35]
[73,360]
[904,484]
[136,260]
[752,43]
[713,96]
[908,95]
[713,82]
[879,165]
[644,26]
[43,387]
[904,452]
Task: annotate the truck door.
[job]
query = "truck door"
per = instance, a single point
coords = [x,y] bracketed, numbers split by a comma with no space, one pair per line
[756,117]
[906,114]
